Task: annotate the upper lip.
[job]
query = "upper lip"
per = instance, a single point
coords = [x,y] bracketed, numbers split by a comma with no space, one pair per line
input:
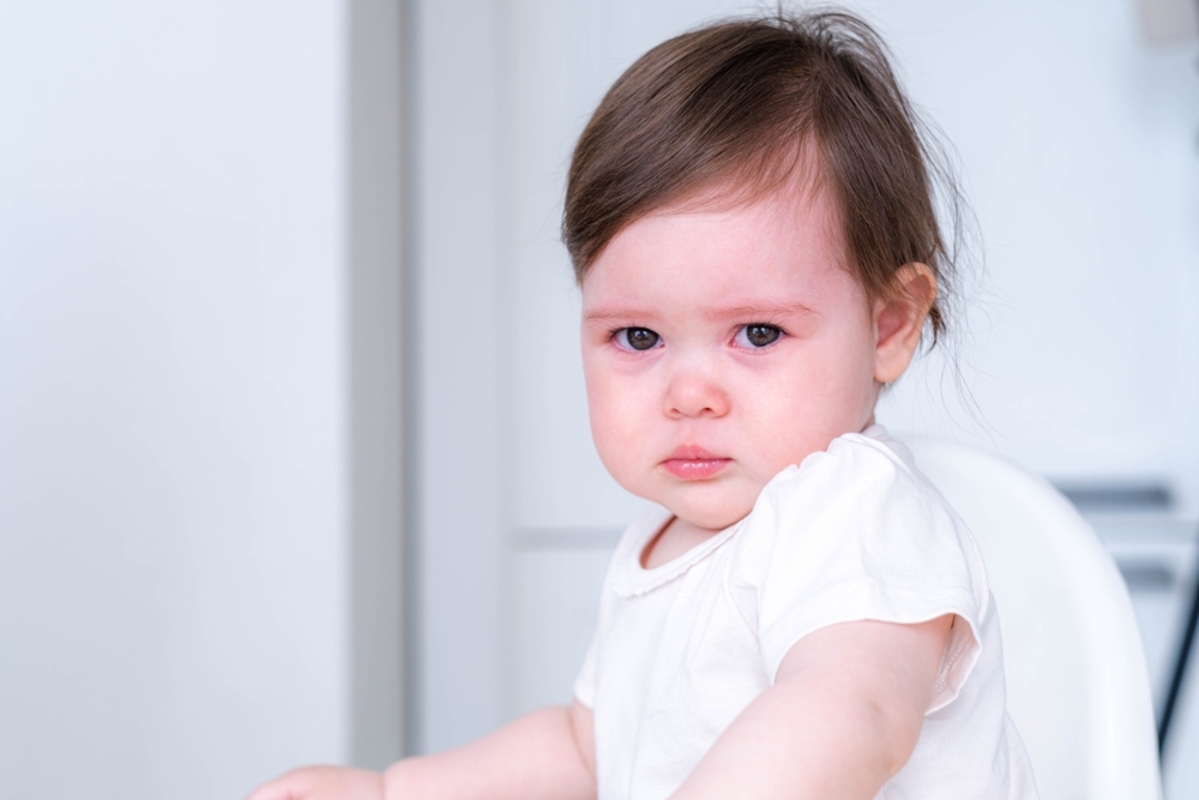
[693,452]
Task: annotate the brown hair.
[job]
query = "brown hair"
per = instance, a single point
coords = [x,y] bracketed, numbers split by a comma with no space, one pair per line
[737,103]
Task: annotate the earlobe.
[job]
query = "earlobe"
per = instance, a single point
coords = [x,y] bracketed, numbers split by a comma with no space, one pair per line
[899,320]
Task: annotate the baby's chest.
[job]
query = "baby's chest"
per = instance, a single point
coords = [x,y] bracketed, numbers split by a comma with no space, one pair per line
[675,667]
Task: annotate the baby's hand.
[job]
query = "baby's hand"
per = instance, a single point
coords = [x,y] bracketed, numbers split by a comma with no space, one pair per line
[323,783]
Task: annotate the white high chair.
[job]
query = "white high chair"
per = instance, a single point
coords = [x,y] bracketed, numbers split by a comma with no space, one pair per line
[1078,688]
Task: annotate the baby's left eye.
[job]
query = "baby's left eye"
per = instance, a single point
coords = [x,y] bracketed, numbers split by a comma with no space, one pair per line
[758,335]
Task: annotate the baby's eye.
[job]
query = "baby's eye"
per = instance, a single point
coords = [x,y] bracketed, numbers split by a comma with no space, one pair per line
[636,339]
[758,335]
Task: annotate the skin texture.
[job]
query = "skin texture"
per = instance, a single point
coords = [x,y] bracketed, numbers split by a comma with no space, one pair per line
[759,348]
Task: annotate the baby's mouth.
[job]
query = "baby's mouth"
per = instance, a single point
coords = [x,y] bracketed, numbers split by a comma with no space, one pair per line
[691,462]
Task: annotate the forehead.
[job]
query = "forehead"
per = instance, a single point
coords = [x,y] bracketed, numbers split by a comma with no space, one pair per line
[792,177]
[716,246]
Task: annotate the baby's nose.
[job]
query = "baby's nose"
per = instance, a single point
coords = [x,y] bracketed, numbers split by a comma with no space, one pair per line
[695,392]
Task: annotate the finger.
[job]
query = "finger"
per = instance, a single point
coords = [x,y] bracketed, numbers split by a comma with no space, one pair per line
[278,789]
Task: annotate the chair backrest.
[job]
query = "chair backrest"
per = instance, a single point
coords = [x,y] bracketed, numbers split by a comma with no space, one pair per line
[1078,688]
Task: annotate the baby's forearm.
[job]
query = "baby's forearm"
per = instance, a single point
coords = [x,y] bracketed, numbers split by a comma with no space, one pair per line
[842,748]
[843,716]
[546,754]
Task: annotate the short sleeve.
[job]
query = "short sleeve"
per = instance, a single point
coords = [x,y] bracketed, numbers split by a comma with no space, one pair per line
[854,533]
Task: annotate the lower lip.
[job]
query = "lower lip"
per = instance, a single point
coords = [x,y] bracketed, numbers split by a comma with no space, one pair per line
[695,469]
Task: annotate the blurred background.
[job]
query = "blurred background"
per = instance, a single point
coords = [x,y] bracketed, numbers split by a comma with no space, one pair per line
[294,459]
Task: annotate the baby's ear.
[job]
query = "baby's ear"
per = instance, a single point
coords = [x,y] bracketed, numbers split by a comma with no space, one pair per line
[899,320]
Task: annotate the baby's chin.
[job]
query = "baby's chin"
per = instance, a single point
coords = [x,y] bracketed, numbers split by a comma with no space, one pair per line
[712,518]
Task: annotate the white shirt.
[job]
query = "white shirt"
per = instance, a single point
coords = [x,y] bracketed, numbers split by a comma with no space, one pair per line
[853,533]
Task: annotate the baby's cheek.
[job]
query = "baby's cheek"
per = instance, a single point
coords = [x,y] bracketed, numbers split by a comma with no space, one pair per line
[624,467]
[794,425]
[614,428]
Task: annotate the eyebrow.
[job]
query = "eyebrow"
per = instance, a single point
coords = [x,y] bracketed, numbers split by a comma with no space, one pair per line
[610,314]
[748,311]
[752,310]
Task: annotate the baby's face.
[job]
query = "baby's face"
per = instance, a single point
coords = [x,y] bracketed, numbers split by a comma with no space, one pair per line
[720,346]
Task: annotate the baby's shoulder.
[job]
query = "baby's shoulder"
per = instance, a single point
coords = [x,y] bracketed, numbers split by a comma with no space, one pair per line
[857,475]
[854,532]
[860,506]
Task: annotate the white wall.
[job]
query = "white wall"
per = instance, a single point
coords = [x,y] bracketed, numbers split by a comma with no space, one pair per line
[1078,151]
[459,350]
[172,396]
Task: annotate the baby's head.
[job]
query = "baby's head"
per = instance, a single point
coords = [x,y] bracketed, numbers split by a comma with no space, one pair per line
[750,217]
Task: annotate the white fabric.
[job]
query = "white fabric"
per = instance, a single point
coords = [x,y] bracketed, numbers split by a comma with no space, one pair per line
[854,532]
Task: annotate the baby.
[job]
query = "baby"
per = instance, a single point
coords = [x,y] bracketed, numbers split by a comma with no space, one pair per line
[750,218]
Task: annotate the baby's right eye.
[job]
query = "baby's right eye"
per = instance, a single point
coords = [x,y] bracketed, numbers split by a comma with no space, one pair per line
[636,339]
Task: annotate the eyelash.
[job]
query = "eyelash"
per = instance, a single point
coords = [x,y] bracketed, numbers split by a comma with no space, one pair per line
[626,345]
[743,330]
[620,337]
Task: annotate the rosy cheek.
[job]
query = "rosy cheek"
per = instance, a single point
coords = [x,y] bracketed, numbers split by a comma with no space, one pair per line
[617,422]
[604,410]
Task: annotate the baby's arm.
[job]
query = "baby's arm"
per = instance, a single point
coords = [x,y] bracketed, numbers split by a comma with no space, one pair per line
[843,716]
[546,754]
